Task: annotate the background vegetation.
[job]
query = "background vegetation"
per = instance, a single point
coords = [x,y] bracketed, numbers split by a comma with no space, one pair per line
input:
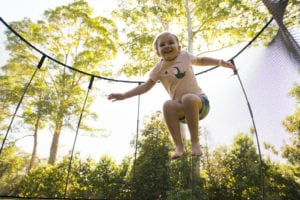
[72,34]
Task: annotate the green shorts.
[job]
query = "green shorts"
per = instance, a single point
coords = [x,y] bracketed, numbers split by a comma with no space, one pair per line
[204,110]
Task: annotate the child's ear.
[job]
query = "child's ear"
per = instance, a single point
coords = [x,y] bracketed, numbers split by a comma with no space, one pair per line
[158,54]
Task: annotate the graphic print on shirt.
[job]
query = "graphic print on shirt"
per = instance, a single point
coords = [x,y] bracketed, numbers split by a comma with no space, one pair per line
[179,74]
[176,71]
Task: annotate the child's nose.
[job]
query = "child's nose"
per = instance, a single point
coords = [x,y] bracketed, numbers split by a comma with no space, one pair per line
[168,46]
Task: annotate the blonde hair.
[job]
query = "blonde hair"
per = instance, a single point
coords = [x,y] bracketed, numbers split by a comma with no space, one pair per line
[155,43]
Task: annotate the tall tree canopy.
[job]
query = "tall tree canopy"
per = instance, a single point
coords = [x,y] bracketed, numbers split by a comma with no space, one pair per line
[202,27]
[74,37]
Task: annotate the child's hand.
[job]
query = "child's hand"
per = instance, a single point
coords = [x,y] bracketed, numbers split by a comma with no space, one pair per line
[226,64]
[116,96]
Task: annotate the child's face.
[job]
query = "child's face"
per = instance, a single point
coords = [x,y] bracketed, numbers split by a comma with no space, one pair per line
[167,47]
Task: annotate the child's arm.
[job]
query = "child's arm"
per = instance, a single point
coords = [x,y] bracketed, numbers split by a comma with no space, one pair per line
[212,61]
[140,89]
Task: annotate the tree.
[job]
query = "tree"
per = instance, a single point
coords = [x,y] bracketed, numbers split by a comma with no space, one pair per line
[281,182]
[88,179]
[206,27]
[291,150]
[232,173]
[242,169]
[11,166]
[44,181]
[141,21]
[150,172]
[108,180]
[76,39]
[79,182]
[87,42]
[292,124]
[38,111]
[215,173]
[17,73]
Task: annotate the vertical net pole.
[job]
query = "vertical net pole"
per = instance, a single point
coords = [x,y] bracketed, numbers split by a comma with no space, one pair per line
[137,136]
[75,139]
[21,99]
[192,177]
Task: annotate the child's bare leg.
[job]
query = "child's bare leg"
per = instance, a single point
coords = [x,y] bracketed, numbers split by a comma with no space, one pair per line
[170,109]
[192,104]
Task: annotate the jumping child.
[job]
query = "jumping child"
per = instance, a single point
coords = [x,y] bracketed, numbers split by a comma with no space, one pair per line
[187,100]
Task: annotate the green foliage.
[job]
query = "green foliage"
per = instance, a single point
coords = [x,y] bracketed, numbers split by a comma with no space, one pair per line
[233,173]
[76,38]
[202,27]
[108,180]
[87,179]
[291,16]
[185,180]
[291,151]
[11,169]
[44,181]
[228,172]
[154,175]
[215,174]
[150,173]
[281,182]
[242,163]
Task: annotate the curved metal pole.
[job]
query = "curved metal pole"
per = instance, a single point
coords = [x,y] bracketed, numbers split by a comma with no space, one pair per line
[255,131]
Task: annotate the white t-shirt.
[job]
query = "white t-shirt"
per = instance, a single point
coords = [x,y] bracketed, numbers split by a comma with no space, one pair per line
[177,76]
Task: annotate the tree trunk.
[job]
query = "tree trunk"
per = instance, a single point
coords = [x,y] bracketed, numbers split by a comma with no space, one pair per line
[189,26]
[195,164]
[54,144]
[35,143]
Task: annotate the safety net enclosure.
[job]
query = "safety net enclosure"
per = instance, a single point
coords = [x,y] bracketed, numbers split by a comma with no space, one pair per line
[62,139]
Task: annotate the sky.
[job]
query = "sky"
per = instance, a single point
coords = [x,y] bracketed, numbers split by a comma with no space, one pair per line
[267,74]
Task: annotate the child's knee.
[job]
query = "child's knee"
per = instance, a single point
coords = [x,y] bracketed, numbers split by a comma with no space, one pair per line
[190,100]
[168,105]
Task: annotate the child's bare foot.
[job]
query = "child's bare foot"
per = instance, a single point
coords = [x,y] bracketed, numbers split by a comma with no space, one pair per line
[196,150]
[178,153]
